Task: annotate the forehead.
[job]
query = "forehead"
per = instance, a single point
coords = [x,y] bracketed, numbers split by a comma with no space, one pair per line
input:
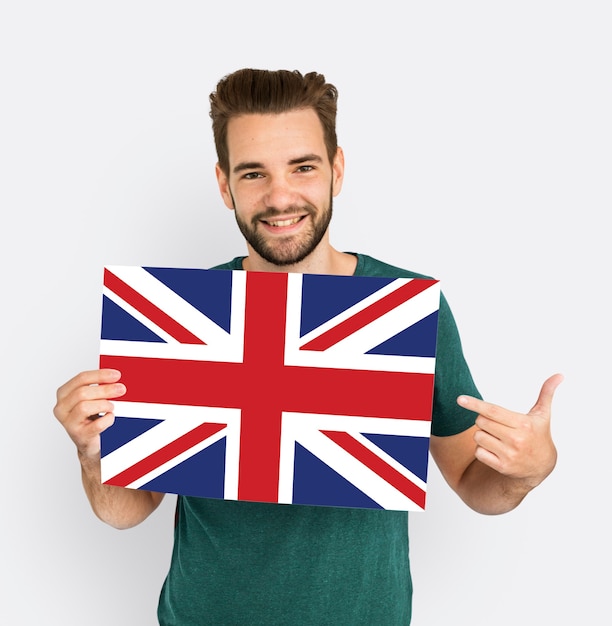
[265,137]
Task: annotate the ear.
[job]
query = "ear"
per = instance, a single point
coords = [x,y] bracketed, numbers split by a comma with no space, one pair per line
[337,172]
[224,188]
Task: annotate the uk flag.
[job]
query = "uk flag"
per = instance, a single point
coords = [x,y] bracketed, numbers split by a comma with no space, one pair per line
[270,387]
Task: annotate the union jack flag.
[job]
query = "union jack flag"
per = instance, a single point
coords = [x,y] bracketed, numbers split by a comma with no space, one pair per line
[270,387]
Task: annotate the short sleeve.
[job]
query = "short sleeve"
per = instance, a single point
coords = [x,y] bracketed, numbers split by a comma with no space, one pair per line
[452,378]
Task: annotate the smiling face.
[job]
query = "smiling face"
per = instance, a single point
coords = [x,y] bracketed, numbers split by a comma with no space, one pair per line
[280,184]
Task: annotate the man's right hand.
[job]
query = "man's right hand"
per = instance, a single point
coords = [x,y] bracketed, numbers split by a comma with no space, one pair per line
[83,408]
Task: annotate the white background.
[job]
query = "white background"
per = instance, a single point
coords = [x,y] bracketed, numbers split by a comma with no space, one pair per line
[478,149]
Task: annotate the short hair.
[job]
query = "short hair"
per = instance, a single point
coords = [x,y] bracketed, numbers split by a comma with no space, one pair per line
[249,91]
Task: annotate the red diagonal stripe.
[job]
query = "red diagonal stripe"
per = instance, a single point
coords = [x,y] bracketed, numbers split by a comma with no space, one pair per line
[165,454]
[378,466]
[150,310]
[367,315]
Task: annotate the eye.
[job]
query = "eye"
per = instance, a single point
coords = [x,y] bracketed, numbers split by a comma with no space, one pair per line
[305,168]
[252,175]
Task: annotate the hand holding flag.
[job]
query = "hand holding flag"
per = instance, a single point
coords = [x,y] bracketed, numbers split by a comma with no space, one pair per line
[83,408]
[83,396]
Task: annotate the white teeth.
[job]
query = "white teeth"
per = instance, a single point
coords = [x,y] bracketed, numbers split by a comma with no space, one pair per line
[285,222]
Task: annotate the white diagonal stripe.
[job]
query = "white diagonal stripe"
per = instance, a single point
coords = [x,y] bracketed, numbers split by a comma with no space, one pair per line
[305,429]
[391,323]
[362,477]
[351,352]
[177,421]
[171,303]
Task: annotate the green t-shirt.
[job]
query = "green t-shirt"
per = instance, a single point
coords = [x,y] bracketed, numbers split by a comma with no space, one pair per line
[251,563]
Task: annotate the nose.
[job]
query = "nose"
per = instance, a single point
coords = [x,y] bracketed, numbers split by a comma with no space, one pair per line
[280,194]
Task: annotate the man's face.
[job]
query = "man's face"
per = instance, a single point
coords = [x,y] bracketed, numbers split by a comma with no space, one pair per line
[280,183]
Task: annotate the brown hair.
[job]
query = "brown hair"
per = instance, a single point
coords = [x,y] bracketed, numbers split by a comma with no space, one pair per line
[249,91]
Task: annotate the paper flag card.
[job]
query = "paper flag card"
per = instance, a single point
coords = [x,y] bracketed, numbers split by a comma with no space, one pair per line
[270,387]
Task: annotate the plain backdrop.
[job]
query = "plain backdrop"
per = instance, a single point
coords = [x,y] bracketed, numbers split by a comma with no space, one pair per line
[478,149]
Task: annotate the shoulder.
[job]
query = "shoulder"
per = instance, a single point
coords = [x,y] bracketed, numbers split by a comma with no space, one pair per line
[369,266]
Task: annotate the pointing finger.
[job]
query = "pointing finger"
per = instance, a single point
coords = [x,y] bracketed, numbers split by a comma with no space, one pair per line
[487,409]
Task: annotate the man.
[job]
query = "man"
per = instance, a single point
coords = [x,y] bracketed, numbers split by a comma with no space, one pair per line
[233,562]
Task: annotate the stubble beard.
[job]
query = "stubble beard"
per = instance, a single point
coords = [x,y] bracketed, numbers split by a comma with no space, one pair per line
[288,250]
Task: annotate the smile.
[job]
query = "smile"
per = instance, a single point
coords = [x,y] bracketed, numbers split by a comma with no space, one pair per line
[281,223]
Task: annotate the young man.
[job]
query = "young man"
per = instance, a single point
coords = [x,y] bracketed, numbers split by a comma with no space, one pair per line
[255,563]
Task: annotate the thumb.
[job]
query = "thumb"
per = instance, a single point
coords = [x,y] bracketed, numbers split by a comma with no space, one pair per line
[544,402]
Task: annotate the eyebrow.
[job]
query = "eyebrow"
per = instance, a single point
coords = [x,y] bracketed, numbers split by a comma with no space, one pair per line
[256,165]
[304,159]
[248,165]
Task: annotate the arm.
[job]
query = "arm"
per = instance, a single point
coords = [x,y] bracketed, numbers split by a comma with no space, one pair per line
[496,463]
[82,397]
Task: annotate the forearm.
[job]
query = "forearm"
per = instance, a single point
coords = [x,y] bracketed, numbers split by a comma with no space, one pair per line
[116,506]
[488,492]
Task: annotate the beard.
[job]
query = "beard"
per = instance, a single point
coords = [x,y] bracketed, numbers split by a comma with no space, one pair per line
[293,248]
